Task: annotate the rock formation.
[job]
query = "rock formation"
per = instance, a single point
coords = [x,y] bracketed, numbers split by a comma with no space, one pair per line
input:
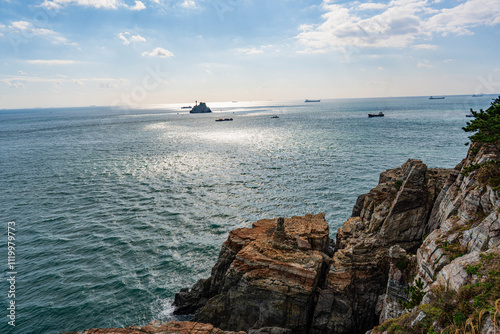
[156,327]
[395,213]
[459,260]
[267,276]
[200,109]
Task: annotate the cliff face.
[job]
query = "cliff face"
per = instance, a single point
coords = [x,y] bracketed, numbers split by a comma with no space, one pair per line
[266,276]
[395,213]
[272,277]
[457,262]
[156,327]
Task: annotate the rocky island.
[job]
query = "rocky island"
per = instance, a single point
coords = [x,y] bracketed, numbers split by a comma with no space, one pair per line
[420,254]
[200,108]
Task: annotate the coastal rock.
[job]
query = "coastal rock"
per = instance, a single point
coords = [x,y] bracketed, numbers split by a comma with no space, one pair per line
[156,327]
[200,109]
[394,213]
[465,216]
[265,277]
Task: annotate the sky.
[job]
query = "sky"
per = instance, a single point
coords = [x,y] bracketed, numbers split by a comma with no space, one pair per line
[62,53]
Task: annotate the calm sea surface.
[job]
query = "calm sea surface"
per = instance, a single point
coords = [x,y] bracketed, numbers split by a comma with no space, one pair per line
[116,210]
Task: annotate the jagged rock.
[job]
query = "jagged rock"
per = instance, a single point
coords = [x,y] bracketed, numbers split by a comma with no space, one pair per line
[200,109]
[156,327]
[395,212]
[465,215]
[397,283]
[264,277]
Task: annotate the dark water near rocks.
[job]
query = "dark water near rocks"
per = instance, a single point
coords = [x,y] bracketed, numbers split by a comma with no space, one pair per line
[116,210]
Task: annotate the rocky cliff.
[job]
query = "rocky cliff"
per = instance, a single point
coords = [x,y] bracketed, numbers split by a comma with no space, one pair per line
[457,267]
[266,276]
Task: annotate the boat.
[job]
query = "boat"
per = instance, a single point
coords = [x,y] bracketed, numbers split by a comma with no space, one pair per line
[380,114]
[307,100]
[274,116]
[477,95]
[436,98]
[469,115]
[223,119]
[186,107]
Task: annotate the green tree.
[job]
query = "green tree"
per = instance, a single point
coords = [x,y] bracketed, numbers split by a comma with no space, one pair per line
[486,125]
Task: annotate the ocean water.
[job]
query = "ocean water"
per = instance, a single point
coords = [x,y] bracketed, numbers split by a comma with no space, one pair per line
[116,210]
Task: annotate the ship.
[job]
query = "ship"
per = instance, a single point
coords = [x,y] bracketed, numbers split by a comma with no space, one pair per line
[380,114]
[436,98]
[307,100]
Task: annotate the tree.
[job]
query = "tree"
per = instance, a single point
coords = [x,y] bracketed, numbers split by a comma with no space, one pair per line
[486,125]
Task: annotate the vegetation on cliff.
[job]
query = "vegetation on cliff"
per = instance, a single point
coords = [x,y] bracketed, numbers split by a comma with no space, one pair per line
[486,125]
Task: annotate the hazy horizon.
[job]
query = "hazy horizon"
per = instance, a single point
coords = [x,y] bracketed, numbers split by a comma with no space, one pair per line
[73,53]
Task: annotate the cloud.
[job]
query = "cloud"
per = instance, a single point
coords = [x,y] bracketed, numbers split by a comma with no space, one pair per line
[423,65]
[138,6]
[371,6]
[158,52]
[52,62]
[105,4]
[424,46]
[400,24]
[128,38]
[254,50]
[188,4]
[28,30]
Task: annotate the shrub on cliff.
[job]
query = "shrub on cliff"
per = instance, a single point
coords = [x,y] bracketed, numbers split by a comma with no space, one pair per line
[486,125]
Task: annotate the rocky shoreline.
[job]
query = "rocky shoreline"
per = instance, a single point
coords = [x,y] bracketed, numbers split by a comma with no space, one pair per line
[418,232]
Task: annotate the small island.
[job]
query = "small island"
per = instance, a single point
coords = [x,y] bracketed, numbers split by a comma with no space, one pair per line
[200,108]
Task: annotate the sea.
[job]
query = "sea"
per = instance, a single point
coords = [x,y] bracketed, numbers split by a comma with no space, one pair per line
[110,211]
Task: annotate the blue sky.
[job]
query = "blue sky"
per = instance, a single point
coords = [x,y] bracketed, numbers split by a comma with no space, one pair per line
[130,52]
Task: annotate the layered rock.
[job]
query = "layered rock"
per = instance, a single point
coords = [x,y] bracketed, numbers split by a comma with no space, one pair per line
[266,276]
[465,218]
[156,327]
[464,230]
[395,213]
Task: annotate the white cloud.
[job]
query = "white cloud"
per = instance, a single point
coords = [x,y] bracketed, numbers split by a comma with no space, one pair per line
[52,62]
[105,4]
[138,6]
[400,24]
[460,19]
[28,30]
[158,52]
[56,4]
[128,38]
[188,4]
[423,65]
[256,51]
[424,46]
[372,6]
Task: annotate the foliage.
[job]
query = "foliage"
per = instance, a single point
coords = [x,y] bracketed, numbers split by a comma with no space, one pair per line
[486,124]
[462,311]
[416,293]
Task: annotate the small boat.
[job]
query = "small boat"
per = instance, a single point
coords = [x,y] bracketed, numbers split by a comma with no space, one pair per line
[469,115]
[380,114]
[307,100]
[186,107]
[223,119]
[436,98]
[274,116]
